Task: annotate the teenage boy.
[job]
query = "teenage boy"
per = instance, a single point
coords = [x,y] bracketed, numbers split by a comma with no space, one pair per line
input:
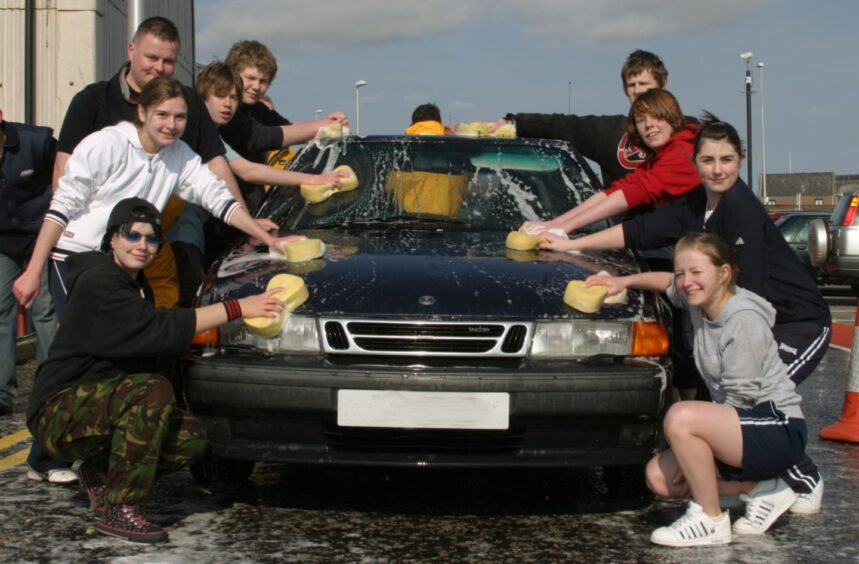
[220,88]
[257,67]
[602,139]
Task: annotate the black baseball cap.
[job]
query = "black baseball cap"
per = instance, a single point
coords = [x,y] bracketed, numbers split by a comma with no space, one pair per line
[131,210]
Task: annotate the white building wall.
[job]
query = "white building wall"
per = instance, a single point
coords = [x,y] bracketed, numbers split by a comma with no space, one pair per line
[77,42]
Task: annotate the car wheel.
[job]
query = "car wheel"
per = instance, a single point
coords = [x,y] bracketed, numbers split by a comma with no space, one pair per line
[625,481]
[212,468]
[819,244]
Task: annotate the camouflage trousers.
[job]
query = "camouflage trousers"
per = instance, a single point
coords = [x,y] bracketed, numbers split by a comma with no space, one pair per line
[127,428]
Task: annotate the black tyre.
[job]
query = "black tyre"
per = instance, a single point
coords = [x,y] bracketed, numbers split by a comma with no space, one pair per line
[212,468]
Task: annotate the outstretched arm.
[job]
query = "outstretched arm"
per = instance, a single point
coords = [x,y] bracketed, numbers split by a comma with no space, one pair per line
[602,207]
[607,239]
[257,173]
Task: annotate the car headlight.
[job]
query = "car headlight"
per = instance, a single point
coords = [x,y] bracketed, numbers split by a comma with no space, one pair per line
[580,337]
[299,335]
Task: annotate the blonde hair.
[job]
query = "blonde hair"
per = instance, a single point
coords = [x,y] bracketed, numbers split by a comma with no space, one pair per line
[715,248]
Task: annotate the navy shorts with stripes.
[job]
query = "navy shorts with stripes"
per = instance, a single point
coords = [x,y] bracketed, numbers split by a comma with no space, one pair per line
[772,443]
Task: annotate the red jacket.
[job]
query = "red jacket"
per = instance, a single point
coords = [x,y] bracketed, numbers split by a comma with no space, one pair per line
[666,175]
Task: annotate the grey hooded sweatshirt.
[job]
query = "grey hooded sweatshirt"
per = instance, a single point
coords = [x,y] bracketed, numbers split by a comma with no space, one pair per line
[737,355]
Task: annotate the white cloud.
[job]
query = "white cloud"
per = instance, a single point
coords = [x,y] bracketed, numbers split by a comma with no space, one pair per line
[288,26]
[608,22]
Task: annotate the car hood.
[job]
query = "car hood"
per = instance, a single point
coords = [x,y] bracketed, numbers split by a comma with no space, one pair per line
[432,273]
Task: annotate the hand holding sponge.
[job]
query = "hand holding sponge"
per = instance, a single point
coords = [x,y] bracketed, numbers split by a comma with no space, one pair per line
[519,241]
[293,294]
[589,299]
[317,193]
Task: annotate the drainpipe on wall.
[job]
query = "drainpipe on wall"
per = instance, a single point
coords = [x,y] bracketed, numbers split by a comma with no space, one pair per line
[134,9]
[29,62]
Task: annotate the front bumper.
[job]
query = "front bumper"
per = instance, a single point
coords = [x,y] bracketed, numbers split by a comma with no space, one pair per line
[559,414]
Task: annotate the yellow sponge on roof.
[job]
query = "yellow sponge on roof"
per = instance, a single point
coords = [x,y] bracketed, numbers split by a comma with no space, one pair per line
[294,294]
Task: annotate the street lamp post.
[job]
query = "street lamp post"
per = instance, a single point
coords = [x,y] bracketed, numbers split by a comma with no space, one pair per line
[358,86]
[317,112]
[747,56]
[569,96]
[763,139]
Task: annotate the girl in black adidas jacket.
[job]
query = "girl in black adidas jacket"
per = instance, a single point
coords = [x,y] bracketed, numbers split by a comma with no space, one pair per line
[725,206]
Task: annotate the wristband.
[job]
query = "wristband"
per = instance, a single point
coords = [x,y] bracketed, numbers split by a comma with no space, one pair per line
[234,309]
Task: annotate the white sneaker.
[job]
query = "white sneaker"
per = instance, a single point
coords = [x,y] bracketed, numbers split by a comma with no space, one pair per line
[54,475]
[809,503]
[695,528]
[764,505]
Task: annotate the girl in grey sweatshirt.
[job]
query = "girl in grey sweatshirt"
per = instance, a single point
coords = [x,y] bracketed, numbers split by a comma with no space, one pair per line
[752,431]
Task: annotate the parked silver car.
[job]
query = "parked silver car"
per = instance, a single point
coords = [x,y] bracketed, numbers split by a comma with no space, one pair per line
[834,245]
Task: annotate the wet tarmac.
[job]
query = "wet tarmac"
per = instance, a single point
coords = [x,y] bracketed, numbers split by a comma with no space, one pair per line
[378,515]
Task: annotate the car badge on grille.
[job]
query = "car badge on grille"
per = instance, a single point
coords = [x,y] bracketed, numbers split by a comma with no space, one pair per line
[426,300]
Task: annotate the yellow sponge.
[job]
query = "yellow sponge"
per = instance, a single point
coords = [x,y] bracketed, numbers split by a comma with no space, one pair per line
[519,241]
[304,250]
[294,294]
[334,130]
[583,298]
[506,131]
[317,193]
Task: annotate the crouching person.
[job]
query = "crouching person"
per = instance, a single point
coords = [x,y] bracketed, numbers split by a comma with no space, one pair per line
[98,398]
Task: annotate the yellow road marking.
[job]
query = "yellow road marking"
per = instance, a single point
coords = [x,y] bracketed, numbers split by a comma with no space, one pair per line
[14,459]
[15,438]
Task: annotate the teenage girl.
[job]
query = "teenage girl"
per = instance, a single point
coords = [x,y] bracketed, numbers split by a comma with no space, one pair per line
[753,431]
[656,122]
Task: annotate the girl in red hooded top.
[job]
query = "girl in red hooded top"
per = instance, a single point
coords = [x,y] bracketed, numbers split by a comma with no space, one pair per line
[655,121]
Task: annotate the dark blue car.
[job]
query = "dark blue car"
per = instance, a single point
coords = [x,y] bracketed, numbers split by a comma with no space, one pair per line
[425,341]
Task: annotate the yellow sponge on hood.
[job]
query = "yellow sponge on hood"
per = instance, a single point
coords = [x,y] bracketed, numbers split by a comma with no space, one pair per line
[519,241]
[584,298]
[294,294]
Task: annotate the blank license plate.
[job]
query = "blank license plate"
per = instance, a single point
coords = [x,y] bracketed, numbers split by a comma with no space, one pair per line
[423,410]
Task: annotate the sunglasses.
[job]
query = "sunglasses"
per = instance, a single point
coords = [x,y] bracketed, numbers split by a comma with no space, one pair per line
[135,236]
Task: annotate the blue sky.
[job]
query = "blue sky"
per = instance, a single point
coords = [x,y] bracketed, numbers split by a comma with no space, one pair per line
[479,59]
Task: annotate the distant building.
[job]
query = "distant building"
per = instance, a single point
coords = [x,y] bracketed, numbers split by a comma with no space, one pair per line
[808,190]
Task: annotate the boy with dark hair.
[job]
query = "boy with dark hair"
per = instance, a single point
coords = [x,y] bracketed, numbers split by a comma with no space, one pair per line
[426,120]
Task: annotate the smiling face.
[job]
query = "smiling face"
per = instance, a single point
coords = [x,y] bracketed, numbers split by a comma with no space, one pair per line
[654,132]
[162,123]
[133,256]
[150,57]
[718,165]
[255,84]
[701,282]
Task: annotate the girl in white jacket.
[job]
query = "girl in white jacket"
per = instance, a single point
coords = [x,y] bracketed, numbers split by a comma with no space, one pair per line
[145,159]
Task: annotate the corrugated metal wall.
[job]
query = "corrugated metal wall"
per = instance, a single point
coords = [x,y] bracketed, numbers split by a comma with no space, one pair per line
[77,42]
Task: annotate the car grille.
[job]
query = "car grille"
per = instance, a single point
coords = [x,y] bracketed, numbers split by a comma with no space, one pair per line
[421,338]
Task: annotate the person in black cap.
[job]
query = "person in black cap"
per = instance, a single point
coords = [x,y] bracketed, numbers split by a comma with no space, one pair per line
[98,397]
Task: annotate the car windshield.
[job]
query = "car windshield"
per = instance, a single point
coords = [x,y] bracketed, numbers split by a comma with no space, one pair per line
[474,184]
